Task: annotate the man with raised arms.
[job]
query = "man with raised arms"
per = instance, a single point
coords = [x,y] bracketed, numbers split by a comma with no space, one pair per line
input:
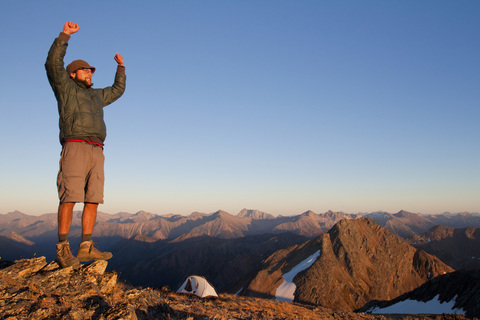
[82,136]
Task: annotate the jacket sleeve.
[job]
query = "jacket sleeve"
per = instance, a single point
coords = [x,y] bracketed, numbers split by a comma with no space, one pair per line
[110,94]
[57,75]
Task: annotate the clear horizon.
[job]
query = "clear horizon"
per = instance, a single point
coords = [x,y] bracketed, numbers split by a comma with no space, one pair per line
[280,106]
[78,208]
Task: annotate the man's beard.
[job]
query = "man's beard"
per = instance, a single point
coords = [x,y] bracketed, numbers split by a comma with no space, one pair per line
[87,84]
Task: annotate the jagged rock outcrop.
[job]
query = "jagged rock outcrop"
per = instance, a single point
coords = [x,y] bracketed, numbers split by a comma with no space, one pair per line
[359,261]
[35,289]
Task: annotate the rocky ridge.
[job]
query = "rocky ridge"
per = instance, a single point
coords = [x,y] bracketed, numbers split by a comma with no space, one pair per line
[35,289]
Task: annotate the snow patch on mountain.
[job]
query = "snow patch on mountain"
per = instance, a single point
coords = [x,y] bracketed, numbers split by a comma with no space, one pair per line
[434,306]
[286,291]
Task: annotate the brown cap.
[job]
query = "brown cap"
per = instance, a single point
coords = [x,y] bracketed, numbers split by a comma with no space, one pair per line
[79,64]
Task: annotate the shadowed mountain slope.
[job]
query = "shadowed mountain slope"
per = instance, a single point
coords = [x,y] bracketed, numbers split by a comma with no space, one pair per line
[459,248]
[227,263]
[460,288]
[13,246]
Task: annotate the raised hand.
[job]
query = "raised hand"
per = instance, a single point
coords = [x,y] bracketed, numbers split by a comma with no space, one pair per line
[119,59]
[70,28]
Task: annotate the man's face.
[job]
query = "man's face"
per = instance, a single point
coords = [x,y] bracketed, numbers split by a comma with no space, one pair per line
[83,75]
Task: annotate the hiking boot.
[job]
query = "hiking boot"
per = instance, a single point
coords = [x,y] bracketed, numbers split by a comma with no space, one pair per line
[65,258]
[87,252]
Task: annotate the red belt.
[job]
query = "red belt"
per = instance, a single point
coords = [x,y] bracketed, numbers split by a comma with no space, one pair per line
[83,140]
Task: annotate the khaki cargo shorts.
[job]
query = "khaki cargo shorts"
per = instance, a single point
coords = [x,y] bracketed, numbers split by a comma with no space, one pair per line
[81,176]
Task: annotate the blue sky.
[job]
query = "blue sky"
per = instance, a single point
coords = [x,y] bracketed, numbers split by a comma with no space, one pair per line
[280,106]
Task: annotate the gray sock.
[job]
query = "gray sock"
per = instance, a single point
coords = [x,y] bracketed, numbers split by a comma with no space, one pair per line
[86,237]
[62,237]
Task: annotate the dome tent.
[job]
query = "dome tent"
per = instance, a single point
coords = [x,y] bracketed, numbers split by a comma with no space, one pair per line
[199,286]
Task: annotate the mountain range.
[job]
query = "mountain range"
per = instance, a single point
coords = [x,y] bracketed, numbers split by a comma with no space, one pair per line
[221,224]
[355,258]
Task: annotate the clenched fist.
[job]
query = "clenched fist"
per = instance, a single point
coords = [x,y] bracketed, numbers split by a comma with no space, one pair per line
[70,28]
[119,59]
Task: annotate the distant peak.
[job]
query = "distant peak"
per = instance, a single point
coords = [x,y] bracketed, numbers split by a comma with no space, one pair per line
[143,215]
[255,214]
[197,214]
[16,213]
[221,213]
[403,213]
[308,213]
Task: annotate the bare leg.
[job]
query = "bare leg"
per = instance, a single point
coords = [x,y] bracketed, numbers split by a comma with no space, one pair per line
[65,212]
[89,216]
[64,254]
[86,250]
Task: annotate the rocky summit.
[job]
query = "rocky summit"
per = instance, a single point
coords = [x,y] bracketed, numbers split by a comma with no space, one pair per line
[358,261]
[35,289]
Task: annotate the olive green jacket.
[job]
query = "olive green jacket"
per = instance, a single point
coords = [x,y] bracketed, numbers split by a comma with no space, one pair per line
[80,108]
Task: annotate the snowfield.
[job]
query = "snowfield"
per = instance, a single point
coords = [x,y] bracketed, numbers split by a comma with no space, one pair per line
[286,291]
[433,306]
